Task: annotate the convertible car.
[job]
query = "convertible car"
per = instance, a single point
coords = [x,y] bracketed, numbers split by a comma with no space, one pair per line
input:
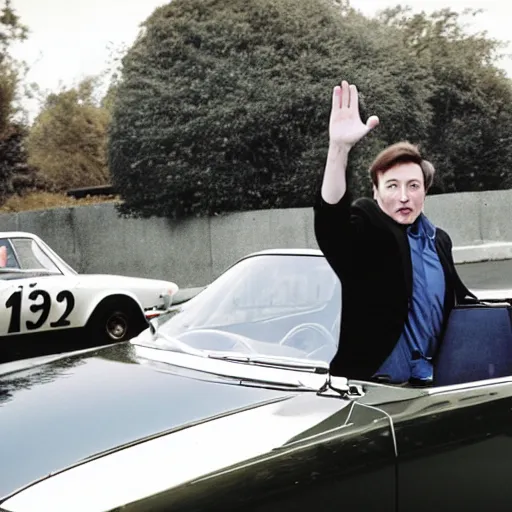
[225,403]
[47,305]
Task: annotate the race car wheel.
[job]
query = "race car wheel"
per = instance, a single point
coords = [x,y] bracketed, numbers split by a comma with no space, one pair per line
[117,325]
[115,320]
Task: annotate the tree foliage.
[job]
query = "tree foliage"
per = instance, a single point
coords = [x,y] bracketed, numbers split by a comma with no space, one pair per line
[469,138]
[14,171]
[223,105]
[67,141]
[17,175]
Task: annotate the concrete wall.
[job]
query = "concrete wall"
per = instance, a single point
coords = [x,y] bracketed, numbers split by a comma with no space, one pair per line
[94,239]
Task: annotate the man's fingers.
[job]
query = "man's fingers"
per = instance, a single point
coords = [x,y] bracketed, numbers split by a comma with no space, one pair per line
[354,98]
[345,94]
[372,122]
[336,98]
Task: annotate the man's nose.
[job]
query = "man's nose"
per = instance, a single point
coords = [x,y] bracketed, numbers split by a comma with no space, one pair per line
[404,197]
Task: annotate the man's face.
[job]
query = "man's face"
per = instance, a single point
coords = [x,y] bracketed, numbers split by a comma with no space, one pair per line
[401,192]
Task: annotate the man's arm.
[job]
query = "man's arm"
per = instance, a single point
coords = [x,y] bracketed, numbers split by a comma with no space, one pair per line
[345,130]
[334,184]
[333,223]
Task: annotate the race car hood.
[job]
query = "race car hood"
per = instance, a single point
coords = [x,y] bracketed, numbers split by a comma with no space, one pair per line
[99,281]
[61,412]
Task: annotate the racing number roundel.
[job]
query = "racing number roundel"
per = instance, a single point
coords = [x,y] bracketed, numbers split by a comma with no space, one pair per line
[40,302]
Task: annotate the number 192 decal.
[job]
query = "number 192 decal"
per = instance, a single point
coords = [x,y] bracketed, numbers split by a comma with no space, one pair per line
[15,300]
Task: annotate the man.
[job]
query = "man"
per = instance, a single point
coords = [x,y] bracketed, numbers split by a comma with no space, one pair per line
[399,281]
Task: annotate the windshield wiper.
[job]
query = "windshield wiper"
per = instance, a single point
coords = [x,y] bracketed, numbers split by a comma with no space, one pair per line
[274,362]
[174,344]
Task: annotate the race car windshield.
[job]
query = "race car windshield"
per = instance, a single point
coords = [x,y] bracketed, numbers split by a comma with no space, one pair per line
[264,310]
[22,255]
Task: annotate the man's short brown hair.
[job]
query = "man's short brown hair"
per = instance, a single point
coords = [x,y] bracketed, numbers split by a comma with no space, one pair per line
[401,153]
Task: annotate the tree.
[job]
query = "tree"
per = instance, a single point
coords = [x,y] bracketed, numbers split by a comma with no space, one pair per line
[14,171]
[67,141]
[19,176]
[223,105]
[471,98]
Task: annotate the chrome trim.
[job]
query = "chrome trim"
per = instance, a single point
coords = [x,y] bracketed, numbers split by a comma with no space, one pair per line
[468,385]
[297,379]
[391,424]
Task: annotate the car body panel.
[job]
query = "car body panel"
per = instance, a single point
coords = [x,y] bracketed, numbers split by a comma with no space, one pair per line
[493,294]
[85,292]
[225,455]
[66,428]
[75,407]
[455,448]
[41,294]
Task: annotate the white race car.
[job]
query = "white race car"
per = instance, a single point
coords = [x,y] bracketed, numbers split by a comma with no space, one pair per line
[44,301]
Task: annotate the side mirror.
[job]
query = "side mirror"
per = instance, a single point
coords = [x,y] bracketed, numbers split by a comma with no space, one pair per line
[167,299]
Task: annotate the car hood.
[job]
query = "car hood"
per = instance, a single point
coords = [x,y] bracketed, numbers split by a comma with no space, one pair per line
[115,281]
[69,409]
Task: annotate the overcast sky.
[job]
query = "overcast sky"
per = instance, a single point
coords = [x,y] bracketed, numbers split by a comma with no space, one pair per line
[71,38]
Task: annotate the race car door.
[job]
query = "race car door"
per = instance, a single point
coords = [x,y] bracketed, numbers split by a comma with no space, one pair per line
[35,304]
[35,296]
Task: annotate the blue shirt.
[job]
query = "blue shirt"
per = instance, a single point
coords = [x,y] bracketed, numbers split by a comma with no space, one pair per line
[412,355]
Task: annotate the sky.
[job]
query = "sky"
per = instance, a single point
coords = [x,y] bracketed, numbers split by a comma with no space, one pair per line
[70,39]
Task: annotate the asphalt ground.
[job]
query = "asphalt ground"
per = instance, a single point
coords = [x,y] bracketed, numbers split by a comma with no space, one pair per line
[488,275]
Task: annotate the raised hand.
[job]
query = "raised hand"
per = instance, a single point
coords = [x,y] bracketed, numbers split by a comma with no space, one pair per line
[345,126]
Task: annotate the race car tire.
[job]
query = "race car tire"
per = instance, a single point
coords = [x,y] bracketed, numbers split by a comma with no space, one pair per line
[115,319]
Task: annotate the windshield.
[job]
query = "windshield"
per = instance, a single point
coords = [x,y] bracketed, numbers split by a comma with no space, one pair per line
[282,306]
[20,254]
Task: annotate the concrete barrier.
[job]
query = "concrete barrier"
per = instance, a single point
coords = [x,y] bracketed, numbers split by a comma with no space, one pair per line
[492,251]
[95,239]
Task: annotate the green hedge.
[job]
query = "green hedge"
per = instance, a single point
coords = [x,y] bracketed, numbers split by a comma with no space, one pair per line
[224,105]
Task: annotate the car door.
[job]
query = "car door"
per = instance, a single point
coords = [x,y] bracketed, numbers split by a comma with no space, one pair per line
[36,304]
[344,463]
[36,297]
[455,448]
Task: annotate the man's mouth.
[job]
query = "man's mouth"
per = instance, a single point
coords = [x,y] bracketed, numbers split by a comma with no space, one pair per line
[404,211]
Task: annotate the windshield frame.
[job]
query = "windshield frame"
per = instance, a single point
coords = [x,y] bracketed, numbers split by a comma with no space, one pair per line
[239,371]
[318,294]
[60,266]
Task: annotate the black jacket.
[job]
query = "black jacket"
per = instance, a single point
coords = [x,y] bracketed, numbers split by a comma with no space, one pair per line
[370,254]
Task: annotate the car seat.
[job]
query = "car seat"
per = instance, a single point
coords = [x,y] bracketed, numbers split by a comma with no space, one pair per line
[477,345]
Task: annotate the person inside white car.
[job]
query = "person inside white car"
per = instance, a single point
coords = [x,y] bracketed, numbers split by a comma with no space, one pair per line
[7,258]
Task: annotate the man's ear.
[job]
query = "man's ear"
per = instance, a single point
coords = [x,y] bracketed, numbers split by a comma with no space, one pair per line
[374,192]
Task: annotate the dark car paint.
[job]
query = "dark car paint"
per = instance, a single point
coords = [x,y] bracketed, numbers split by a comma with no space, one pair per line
[454,453]
[454,448]
[58,420]
[59,413]
[351,468]
[26,346]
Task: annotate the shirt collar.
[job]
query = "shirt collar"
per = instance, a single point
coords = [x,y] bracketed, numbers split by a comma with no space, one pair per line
[422,227]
